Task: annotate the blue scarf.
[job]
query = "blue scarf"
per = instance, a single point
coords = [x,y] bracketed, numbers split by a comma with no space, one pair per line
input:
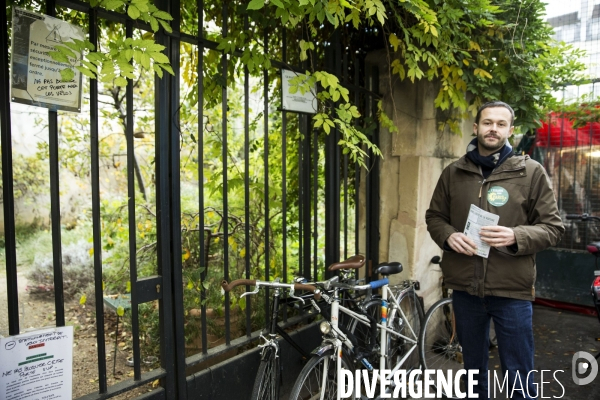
[488,163]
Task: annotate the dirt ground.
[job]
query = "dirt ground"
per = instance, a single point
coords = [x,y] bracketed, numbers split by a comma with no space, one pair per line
[36,310]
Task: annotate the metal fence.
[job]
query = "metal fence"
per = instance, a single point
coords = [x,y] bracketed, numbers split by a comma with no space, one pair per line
[317,203]
[571,156]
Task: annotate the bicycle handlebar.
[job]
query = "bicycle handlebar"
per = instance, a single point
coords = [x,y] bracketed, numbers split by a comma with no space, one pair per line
[253,282]
[229,286]
[582,217]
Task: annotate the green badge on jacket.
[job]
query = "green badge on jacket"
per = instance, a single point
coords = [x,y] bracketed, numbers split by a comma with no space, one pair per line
[497,196]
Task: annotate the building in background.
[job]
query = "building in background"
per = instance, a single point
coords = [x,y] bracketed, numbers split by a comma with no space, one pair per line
[578,24]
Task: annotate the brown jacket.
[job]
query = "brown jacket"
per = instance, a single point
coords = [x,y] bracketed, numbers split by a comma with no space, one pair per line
[520,190]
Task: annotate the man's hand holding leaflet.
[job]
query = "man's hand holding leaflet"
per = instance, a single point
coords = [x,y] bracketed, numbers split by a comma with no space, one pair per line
[475,221]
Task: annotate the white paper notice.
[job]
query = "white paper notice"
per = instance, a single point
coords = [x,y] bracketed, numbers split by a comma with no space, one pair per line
[478,218]
[37,365]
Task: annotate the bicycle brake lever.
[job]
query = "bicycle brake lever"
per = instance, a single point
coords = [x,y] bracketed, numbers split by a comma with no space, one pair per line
[314,304]
[295,297]
[255,291]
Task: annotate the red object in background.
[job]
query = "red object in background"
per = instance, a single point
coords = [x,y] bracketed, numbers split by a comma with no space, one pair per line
[551,137]
[587,310]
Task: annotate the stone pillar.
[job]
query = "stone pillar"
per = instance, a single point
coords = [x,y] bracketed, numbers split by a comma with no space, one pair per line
[414,158]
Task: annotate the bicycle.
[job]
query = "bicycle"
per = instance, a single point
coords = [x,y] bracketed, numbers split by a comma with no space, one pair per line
[268,378]
[385,317]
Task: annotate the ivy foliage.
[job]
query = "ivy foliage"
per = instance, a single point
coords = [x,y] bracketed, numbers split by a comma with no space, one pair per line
[124,57]
[478,50]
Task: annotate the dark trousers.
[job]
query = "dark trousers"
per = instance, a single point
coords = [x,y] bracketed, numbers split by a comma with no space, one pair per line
[514,330]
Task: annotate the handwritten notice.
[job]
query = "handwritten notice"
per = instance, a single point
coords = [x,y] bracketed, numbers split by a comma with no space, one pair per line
[36,76]
[298,102]
[476,219]
[37,365]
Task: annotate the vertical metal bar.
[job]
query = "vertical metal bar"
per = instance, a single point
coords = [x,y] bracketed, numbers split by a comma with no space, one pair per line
[301,124]
[59,300]
[175,174]
[575,202]
[284,250]
[10,243]
[332,164]
[307,209]
[589,207]
[135,326]
[307,204]
[562,129]
[356,167]
[266,177]
[315,204]
[368,180]
[201,221]
[163,217]
[345,164]
[59,297]
[284,171]
[375,192]
[224,63]
[96,219]
[549,138]
[304,226]
[247,184]
[575,163]
[336,230]
[588,190]
[560,166]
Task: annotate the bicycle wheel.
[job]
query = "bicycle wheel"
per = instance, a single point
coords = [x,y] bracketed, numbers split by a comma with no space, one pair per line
[362,332]
[319,376]
[438,343]
[409,326]
[397,347]
[266,384]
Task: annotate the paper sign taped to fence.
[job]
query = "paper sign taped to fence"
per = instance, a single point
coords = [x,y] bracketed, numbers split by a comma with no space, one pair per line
[35,76]
[298,101]
[37,365]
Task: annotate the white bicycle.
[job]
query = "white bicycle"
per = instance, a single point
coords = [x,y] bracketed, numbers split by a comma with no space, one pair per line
[389,342]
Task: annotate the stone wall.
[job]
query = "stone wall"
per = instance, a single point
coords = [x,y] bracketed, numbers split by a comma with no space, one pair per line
[413,160]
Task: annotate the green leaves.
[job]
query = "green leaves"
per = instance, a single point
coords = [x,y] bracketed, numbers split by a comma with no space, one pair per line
[139,9]
[67,75]
[256,4]
[133,12]
[121,62]
[304,47]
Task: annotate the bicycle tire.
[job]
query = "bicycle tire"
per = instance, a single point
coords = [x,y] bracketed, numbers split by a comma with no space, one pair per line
[411,328]
[266,384]
[438,343]
[310,381]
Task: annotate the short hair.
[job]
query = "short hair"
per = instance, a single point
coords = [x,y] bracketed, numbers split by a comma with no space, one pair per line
[495,103]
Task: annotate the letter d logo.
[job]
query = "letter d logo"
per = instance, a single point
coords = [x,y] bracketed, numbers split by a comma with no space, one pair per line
[580,367]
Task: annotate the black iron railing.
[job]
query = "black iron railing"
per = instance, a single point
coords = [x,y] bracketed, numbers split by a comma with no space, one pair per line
[326,213]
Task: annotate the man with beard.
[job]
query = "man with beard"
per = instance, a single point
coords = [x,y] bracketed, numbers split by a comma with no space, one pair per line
[502,286]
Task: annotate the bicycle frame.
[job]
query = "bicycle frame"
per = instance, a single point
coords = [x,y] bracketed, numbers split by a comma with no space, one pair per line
[274,327]
[266,380]
[339,339]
